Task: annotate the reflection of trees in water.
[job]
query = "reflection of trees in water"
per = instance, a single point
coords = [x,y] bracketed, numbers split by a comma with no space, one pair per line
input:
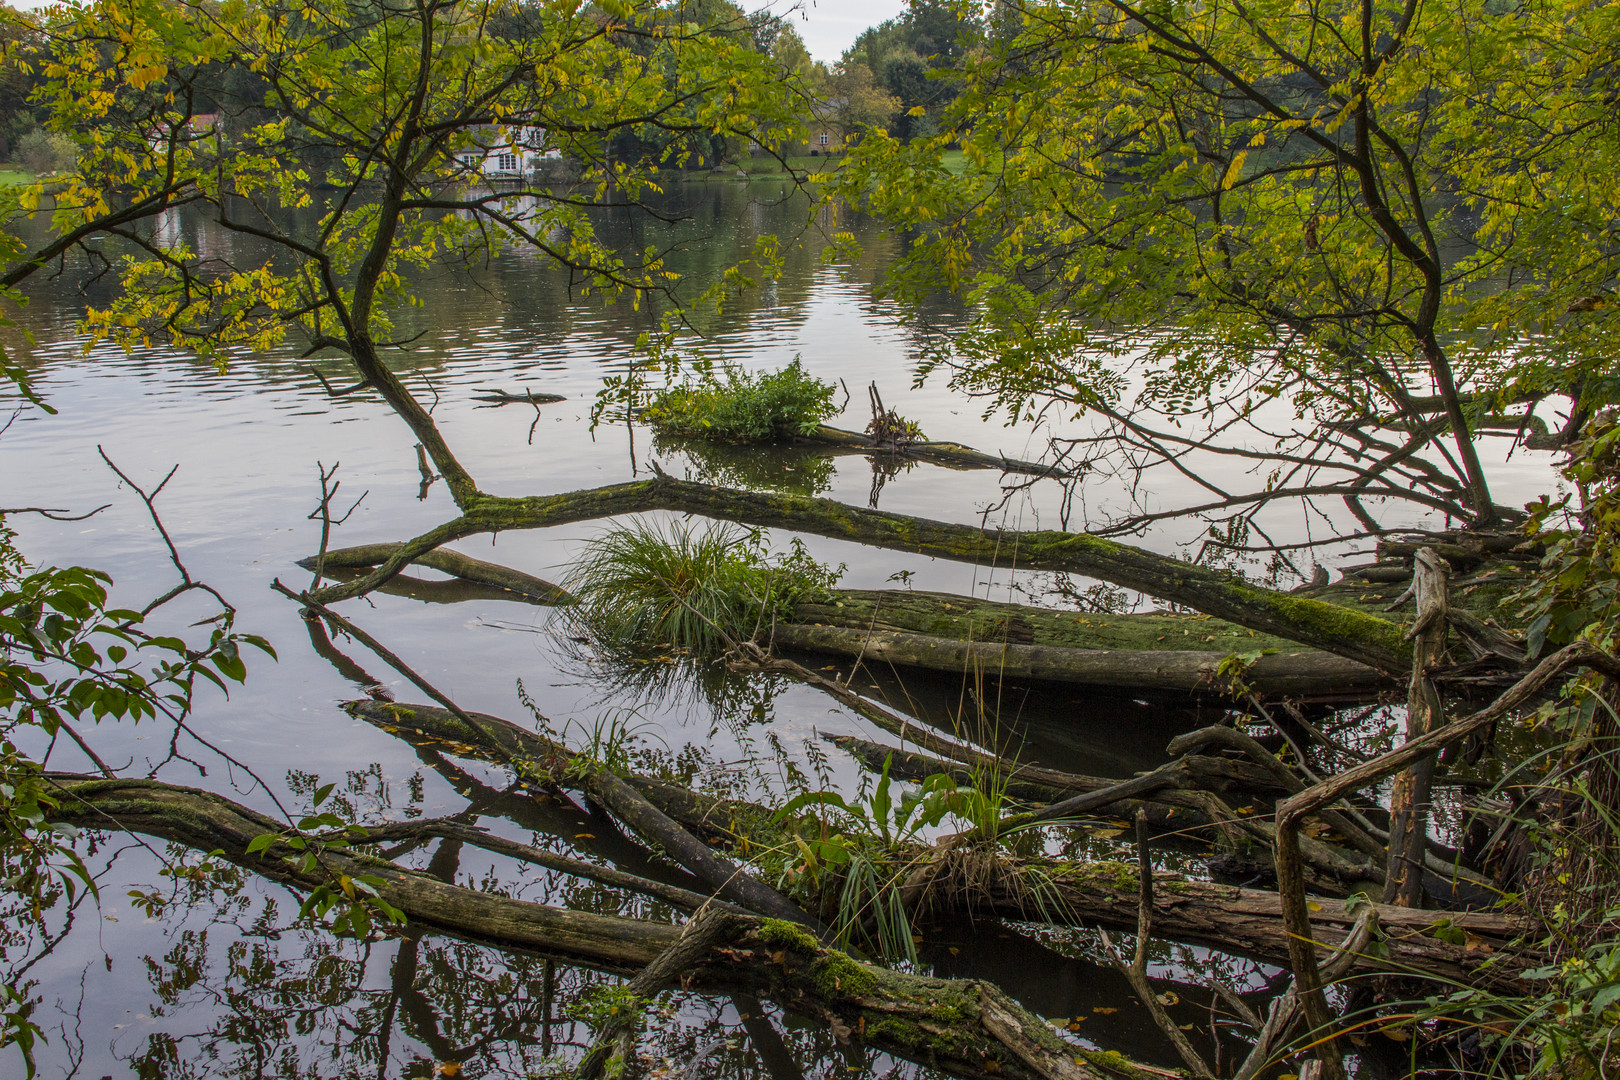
[264,1000]
[671,681]
[777,467]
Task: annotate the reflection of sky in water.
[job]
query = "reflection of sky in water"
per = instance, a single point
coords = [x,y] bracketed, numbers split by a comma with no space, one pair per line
[248,441]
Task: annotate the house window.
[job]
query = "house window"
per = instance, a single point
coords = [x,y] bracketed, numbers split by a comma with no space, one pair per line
[825,138]
[508,163]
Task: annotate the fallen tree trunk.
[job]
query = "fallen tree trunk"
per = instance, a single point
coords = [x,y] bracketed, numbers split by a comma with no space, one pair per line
[1310,675]
[968,1028]
[1343,631]
[949,454]
[447,561]
[1101,893]
[967,618]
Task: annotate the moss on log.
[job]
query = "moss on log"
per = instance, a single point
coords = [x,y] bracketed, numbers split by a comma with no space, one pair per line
[950,455]
[966,618]
[1306,674]
[1100,893]
[964,1027]
[1357,635]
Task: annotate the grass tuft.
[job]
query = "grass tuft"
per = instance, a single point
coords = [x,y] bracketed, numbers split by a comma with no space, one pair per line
[686,587]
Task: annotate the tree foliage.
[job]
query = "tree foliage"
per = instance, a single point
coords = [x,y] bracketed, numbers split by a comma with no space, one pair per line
[1391,218]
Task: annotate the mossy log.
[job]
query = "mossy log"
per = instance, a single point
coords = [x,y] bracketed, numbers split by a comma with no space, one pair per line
[1309,674]
[968,1028]
[1105,894]
[538,757]
[454,563]
[1357,635]
[950,455]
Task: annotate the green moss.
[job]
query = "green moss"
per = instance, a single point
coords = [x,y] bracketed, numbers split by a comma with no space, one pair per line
[790,936]
[835,975]
[1330,621]
[1107,874]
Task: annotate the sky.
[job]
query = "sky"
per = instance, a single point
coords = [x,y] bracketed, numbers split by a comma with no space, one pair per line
[828,27]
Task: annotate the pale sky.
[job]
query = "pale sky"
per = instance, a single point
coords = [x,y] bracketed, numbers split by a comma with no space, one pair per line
[828,27]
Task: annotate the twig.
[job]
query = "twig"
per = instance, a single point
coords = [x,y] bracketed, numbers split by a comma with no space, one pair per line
[53,514]
[329,490]
[377,647]
[1136,970]
[186,581]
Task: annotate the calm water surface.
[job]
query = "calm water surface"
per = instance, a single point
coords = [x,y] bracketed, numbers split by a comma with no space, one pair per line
[230,986]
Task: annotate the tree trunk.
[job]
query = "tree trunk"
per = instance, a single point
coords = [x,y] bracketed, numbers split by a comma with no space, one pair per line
[1102,892]
[1409,797]
[1357,635]
[449,562]
[964,1027]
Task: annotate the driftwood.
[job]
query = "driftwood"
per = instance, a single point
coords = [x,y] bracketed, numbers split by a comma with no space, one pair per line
[949,454]
[1410,793]
[448,561]
[968,1028]
[1309,674]
[496,396]
[1245,921]
[1357,635]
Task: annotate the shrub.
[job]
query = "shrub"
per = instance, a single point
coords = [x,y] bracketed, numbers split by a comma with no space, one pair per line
[688,588]
[42,152]
[740,407]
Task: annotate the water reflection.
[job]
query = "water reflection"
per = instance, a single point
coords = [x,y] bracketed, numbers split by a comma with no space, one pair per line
[794,470]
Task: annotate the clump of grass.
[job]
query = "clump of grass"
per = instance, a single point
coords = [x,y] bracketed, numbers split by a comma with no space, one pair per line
[735,406]
[690,588]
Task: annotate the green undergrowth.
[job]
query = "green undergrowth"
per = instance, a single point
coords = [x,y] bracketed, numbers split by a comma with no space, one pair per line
[740,407]
[696,589]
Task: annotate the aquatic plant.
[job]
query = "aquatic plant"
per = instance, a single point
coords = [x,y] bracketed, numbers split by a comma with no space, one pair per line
[695,589]
[736,406]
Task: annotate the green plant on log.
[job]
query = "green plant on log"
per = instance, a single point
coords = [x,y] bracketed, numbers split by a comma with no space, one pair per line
[738,406]
[692,588]
[869,850]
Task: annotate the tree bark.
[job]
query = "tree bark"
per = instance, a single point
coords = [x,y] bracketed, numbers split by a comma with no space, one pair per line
[956,1025]
[1247,921]
[1410,795]
[1343,631]
[1306,674]
[450,562]
[950,455]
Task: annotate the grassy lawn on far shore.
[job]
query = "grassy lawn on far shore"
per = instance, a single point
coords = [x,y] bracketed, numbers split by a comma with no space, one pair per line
[10,175]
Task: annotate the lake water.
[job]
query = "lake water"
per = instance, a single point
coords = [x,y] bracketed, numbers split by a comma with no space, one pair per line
[231,986]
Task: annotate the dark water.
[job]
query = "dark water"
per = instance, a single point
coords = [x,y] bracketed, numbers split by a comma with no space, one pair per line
[230,985]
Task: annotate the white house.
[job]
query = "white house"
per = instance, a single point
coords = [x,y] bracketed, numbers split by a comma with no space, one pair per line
[507,153]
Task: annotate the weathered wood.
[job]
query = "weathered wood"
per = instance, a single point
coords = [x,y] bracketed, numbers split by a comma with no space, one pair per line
[940,1022]
[967,618]
[1357,635]
[725,877]
[1247,921]
[1411,791]
[448,561]
[496,396]
[1291,814]
[949,454]
[1307,674]
[538,757]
